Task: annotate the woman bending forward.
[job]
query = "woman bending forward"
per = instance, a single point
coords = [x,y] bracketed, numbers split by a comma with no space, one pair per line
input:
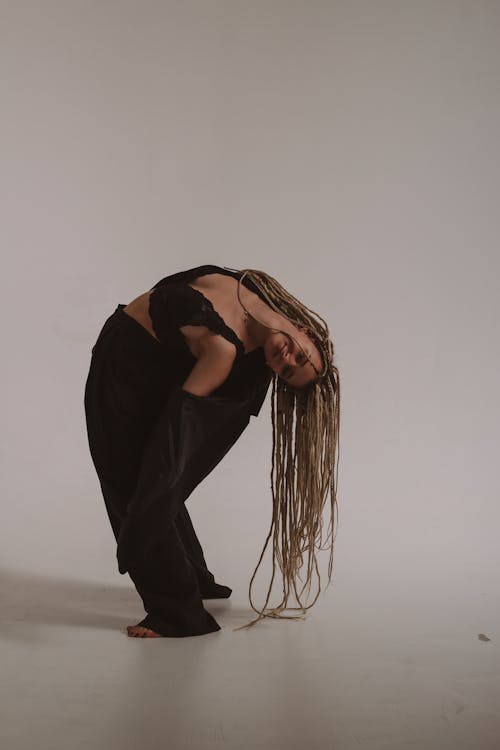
[174,377]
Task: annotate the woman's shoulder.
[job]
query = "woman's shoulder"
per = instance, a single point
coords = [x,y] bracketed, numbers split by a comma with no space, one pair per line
[208,342]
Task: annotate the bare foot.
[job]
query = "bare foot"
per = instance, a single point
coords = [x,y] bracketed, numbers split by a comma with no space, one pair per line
[138,631]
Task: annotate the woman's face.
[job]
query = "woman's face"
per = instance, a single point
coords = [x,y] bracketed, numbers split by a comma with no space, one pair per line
[293,356]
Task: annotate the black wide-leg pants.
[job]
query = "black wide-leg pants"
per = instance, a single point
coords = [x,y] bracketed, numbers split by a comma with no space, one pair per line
[130,425]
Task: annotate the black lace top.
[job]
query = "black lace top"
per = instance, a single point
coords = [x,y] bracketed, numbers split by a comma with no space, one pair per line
[173,303]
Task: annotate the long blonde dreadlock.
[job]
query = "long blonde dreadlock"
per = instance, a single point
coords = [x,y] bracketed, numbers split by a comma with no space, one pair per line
[306,424]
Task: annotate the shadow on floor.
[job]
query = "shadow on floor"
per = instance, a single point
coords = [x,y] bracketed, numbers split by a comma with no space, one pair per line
[37,599]
[30,599]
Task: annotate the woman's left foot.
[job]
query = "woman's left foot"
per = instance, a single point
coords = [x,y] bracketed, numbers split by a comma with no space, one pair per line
[139,631]
[216,591]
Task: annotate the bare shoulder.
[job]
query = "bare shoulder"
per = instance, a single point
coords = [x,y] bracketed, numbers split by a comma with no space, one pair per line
[212,367]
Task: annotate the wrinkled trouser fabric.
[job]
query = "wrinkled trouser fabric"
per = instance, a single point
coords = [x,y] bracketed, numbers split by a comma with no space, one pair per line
[151,444]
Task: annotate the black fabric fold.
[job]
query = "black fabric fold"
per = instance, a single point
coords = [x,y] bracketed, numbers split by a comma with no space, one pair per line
[191,436]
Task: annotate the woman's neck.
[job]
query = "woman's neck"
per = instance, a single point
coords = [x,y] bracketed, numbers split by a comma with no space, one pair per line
[263,321]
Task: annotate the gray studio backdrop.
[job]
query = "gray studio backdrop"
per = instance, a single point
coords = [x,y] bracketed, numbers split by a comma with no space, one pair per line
[348,148]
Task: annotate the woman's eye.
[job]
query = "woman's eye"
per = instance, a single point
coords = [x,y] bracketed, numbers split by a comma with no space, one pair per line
[300,357]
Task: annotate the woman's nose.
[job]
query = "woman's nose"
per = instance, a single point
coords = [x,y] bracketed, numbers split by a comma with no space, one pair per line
[289,350]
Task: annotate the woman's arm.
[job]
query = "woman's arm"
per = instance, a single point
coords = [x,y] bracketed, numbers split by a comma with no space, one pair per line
[212,367]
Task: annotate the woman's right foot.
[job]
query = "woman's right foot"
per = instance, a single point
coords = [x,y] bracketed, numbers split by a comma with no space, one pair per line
[139,631]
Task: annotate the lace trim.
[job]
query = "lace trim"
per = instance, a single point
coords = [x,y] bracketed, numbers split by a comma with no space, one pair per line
[207,315]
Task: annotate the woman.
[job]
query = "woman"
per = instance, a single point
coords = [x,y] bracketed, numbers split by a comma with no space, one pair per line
[174,377]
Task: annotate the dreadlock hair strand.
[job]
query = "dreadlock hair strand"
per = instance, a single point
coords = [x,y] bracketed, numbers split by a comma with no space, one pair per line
[305,457]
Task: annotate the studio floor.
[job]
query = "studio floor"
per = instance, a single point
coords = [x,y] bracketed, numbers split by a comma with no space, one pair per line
[406,668]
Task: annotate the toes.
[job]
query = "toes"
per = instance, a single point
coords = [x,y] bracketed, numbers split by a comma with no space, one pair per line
[134,631]
[138,631]
[151,633]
